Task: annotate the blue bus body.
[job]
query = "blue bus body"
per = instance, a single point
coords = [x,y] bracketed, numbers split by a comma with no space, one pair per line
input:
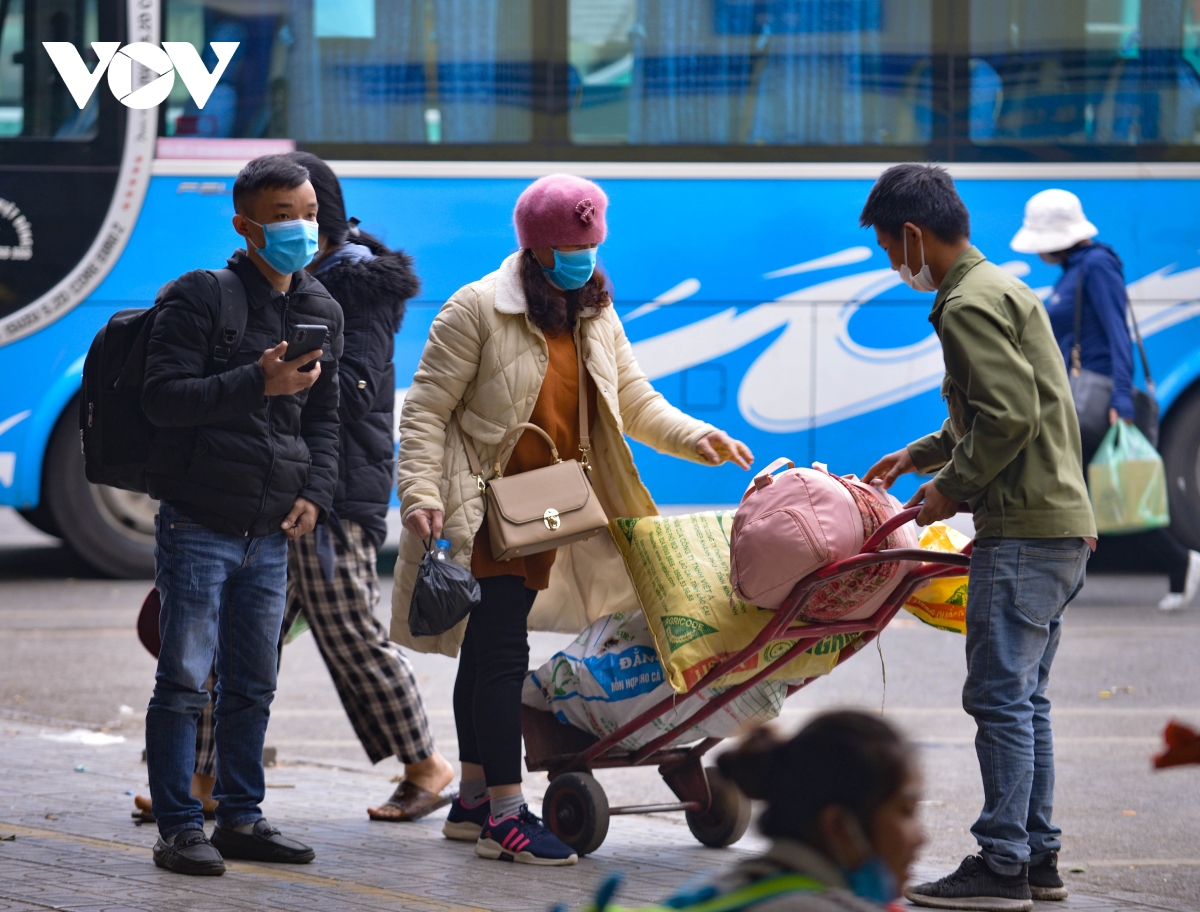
[756,304]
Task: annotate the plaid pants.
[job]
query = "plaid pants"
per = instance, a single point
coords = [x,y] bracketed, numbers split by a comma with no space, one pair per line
[373,677]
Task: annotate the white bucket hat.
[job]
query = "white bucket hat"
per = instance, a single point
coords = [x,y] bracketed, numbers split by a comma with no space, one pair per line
[1054,221]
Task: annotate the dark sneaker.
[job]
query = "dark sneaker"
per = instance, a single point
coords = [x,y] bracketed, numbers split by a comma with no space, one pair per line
[265,843]
[523,838]
[975,887]
[1044,880]
[465,823]
[190,853]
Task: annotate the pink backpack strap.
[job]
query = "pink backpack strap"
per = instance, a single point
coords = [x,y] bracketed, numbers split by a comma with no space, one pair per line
[766,476]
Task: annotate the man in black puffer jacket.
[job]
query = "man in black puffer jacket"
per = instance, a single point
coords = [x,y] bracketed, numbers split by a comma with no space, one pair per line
[244,458]
[332,577]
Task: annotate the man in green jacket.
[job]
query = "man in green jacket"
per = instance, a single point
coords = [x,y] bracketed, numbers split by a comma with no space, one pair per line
[1010,449]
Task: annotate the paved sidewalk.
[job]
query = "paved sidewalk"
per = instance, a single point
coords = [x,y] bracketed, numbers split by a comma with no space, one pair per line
[68,843]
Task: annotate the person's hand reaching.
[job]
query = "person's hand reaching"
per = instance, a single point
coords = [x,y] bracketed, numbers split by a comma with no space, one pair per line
[889,468]
[718,447]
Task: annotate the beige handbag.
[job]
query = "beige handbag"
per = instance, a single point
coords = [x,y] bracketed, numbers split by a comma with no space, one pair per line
[543,508]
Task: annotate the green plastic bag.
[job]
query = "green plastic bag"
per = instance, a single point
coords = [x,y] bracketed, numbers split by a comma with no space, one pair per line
[1128,483]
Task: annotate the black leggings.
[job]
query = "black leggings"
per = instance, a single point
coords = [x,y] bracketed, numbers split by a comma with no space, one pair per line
[491,672]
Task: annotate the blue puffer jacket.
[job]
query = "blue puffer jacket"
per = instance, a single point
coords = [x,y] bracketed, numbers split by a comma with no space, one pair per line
[1105,346]
[372,283]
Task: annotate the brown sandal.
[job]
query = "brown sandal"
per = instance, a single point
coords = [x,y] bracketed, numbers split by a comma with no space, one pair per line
[411,802]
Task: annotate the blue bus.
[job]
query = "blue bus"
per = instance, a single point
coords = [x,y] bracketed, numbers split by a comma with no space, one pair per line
[737,140]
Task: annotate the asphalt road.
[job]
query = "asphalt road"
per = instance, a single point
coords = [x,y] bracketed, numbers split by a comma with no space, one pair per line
[69,655]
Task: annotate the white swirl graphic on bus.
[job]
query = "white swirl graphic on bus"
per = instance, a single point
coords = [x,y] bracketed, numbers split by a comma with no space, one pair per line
[778,395]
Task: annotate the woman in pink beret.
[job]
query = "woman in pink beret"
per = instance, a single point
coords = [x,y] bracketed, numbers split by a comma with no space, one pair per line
[501,352]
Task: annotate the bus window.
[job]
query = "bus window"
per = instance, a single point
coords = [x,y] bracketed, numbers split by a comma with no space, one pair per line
[750,72]
[360,71]
[1084,72]
[34,101]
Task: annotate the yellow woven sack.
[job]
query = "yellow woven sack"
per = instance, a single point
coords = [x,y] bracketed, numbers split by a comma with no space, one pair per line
[942,602]
[680,569]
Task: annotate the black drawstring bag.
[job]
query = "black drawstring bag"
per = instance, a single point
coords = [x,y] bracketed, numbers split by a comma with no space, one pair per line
[443,595]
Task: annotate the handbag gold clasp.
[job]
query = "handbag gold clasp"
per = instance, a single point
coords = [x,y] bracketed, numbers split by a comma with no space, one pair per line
[583,459]
[551,519]
[480,483]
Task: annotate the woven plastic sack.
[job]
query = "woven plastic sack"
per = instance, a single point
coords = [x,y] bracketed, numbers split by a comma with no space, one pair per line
[1128,483]
[942,602]
[610,674]
[679,566]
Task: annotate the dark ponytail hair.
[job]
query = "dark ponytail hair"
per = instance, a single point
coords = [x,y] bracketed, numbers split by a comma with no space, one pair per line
[331,208]
[555,310]
[847,758]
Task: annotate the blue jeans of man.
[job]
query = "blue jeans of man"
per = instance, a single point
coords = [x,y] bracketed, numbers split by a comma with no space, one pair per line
[223,600]
[1019,589]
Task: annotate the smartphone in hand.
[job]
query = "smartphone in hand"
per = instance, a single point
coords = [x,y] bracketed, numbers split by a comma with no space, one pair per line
[305,338]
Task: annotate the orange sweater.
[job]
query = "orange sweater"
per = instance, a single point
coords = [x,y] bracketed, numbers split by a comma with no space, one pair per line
[557,413]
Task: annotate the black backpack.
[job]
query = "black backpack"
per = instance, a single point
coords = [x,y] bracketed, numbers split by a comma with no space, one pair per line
[113,429]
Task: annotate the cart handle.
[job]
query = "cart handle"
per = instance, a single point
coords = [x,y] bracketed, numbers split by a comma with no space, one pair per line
[902,518]
[868,559]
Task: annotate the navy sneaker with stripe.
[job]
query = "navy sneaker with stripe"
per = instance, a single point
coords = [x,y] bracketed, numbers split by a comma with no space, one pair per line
[464,822]
[524,839]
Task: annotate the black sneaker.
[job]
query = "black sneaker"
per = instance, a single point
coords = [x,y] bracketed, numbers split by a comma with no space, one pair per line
[265,843]
[1044,880]
[975,887]
[190,853]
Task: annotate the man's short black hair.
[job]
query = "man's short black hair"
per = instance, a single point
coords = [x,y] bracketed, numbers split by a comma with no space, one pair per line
[921,194]
[267,172]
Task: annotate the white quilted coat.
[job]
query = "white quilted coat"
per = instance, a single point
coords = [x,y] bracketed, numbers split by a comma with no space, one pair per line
[485,353]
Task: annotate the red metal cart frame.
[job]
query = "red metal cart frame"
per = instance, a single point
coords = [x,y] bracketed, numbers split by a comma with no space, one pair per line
[575,806]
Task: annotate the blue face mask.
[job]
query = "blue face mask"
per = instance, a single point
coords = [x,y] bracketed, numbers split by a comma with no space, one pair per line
[289,246]
[572,268]
[873,880]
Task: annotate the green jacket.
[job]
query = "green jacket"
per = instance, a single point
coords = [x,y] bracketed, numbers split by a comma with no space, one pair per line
[1010,447]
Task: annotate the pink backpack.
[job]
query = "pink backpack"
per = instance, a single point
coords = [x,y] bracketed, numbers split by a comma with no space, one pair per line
[791,524]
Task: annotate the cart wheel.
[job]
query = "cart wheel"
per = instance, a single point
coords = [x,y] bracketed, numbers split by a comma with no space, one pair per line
[728,816]
[576,811]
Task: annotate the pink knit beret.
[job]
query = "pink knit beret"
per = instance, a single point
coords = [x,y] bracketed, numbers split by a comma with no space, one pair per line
[560,210]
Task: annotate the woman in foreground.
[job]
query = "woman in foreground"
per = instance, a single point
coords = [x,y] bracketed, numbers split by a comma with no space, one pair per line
[841,815]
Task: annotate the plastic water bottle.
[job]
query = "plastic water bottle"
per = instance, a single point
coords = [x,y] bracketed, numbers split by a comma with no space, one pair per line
[441,549]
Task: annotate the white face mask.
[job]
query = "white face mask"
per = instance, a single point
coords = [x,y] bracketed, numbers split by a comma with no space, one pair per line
[923,280]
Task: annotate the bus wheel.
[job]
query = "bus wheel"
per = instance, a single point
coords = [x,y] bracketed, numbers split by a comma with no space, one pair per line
[1181,453]
[112,530]
[41,518]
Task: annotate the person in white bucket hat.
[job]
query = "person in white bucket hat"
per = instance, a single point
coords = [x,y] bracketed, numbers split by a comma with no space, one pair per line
[1056,229]
[1054,223]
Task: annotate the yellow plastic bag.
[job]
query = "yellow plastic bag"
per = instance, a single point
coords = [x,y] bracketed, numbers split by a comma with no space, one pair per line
[680,569]
[942,602]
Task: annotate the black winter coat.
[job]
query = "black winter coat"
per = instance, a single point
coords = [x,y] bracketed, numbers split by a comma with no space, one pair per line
[223,453]
[372,293]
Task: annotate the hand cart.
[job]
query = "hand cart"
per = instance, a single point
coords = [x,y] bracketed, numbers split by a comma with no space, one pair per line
[575,807]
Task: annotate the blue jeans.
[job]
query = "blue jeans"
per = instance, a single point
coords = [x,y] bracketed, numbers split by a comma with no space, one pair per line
[1019,588]
[223,598]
